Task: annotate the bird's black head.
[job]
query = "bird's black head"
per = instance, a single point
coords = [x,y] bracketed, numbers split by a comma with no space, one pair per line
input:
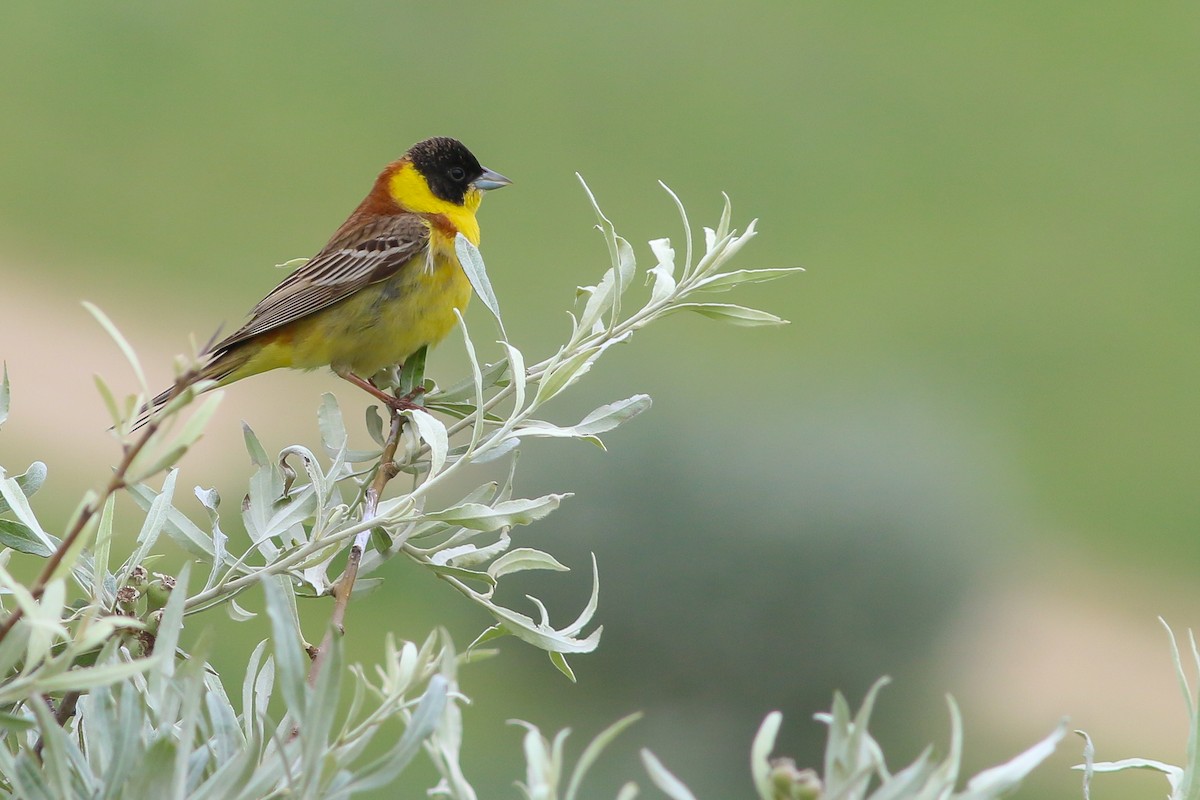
[448,167]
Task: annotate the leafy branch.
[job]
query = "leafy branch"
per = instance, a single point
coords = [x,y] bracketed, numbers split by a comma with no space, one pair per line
[301,511]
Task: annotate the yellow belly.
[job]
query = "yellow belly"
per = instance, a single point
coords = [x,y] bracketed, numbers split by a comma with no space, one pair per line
[380,325]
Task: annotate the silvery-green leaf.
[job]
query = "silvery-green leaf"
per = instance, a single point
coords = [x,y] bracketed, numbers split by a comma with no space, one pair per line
[667,783]
[102,550]
[420,727]
[331,424]
[610,415]
[156,518]
[489,453]
[760,754]
[375,425]
[687,228]
[477,555]
[628,792]
[524,558]
[726,214]
[592,752]
[142,469]
[542,637]
[490,375]
[476,376]
[738,315]
[15,722]
[433,433]
[466,575]
[663,273]
[1005,778]
[28,482]
[626,269]
[724,281]
[237,613]
[86,678]
[477,516]
[115,414]
[20,538]
[599,301]
[121,343]
[258,456]
[1173,773]
[472,264]
[14,498]
[193,427]
[289,658]
[571,369]
[177,526]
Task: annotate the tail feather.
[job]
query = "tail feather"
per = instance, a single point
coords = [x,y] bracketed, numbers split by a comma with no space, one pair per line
[220,367]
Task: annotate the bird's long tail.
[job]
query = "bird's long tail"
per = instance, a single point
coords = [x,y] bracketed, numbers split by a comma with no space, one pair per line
[221,367]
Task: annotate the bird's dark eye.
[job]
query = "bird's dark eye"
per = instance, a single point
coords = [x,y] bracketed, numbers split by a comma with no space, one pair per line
[457,173]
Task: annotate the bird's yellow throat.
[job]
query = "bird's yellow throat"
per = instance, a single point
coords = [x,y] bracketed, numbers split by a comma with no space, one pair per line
[410,190]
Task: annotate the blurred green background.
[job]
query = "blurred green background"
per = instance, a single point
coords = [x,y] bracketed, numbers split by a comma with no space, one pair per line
[970,462]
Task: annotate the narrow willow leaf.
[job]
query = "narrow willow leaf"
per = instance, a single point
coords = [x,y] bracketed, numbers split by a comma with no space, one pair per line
[610,415]
[258,456]
[20,538]
[145,468]
[121,343]
[195,424]
[726,215]
[600,300]
[330,424]
[28,482]
[14,722]
[102,551]
[738,315]
[84,679]
[156,518]
[14,498]
[560,663]
[489,452]
[724,281]
[687,229]
[477,377]
[626,269]
[524,558]
[490,375]
[472,264]
[110,402]
[237,613]
[592,752]
[181,529]
[479,517]
[289,658]
[760,753]
[663,273]
[1005,778]
[433,433]
[667,783]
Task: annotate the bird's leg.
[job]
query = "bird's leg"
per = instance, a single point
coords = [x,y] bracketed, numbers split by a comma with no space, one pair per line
[391,401]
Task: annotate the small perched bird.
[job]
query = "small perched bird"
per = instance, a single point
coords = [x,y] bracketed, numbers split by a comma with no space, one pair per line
[386,284]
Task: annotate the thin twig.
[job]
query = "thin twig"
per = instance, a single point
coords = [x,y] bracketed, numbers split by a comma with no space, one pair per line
[115,484]
[344,585]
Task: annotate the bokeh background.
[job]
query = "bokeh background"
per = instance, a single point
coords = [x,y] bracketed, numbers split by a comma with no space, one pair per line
[970,462]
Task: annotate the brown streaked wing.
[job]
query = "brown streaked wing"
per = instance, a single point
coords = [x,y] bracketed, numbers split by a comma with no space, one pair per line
[345,265]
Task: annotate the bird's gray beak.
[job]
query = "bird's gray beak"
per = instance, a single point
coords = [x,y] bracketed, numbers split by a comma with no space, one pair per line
[490,180]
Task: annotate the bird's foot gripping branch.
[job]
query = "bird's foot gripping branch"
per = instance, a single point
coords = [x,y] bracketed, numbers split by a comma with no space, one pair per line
[90,660]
